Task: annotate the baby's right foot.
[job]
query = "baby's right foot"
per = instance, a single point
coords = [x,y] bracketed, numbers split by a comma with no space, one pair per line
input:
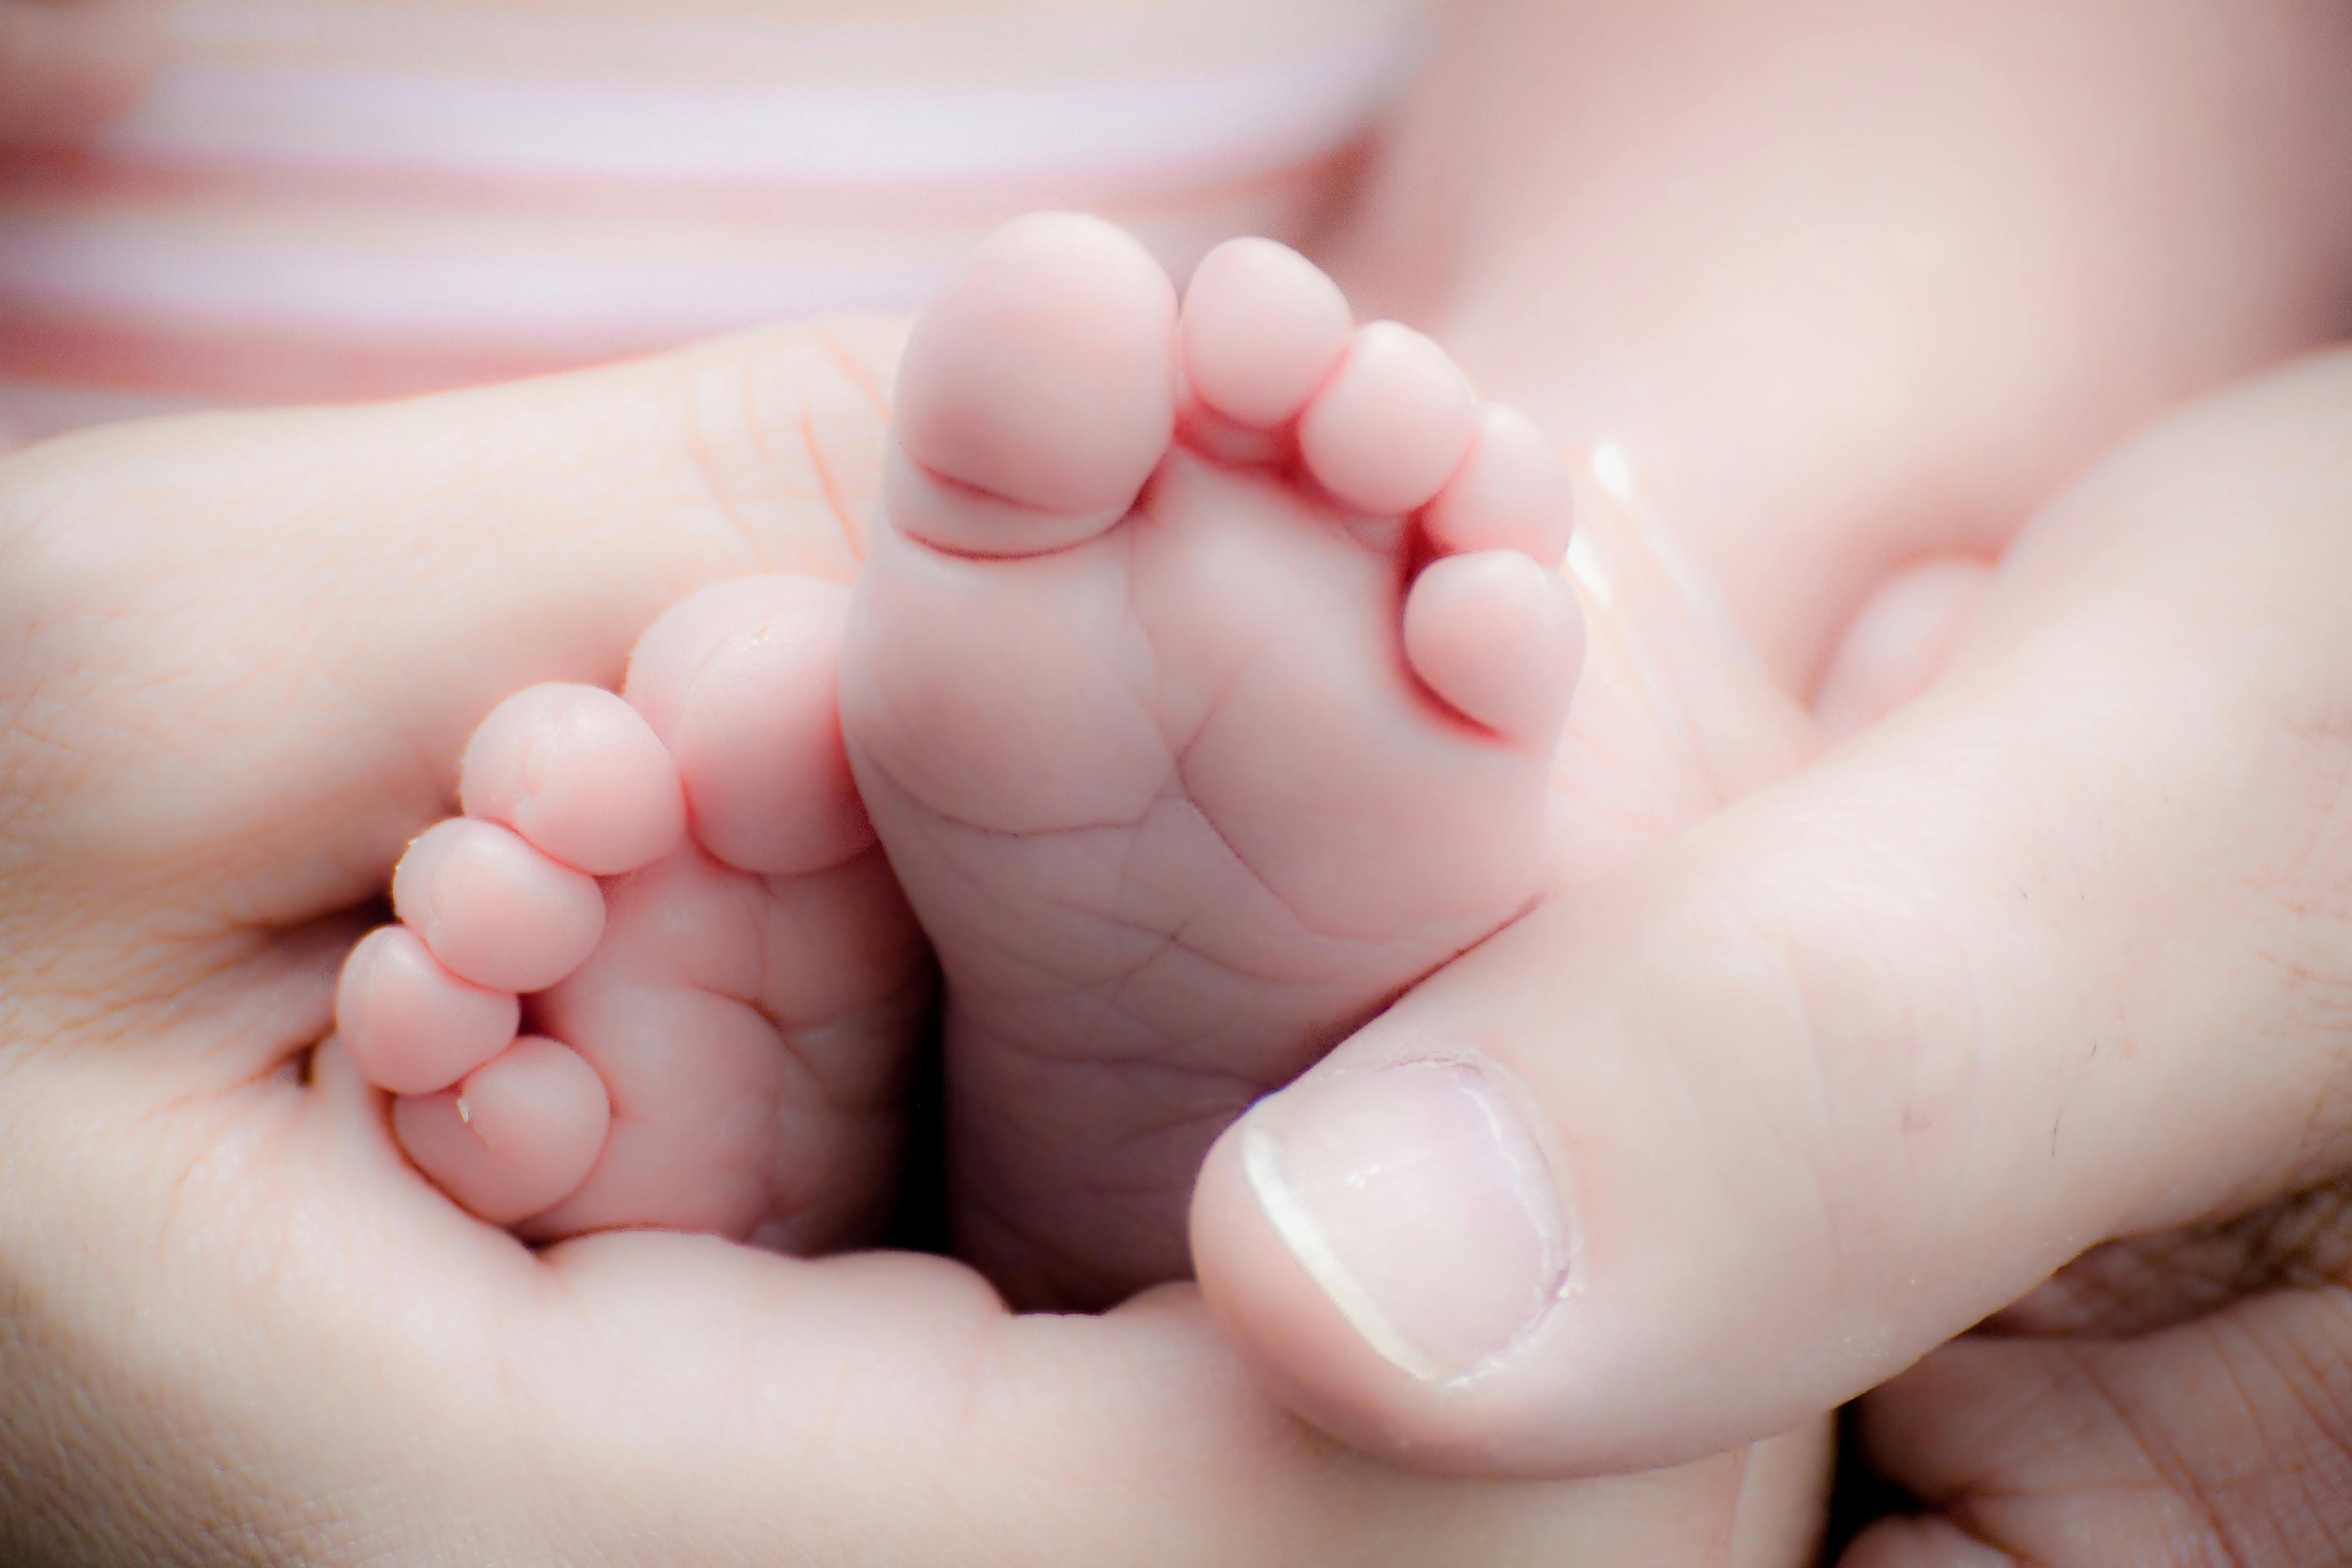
[657,974]
[1195,734]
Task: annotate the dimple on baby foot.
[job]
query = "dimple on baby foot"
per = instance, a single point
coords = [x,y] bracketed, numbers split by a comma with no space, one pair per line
[1202,683]
[658,973]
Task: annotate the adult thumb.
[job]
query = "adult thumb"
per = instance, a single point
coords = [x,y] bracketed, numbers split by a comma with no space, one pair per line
[2059,954]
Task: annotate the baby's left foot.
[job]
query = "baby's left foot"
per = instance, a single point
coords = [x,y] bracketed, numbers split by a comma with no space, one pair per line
[657,974]
[1194,734]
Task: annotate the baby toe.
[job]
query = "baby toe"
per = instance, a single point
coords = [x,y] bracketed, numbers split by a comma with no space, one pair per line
[1500,639]
[742,681]
[518,1137]
[409,1024]
[1037,391]
[1512,492]
[577,773]
[495,910]
[1392,425]
[1262,329]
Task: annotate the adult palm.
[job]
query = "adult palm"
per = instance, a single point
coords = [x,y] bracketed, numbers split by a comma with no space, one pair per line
[240,655]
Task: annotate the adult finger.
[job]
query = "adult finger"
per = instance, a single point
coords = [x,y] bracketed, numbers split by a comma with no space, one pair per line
[2182,1398]
[2056,956]
[351,1371]
[300,616]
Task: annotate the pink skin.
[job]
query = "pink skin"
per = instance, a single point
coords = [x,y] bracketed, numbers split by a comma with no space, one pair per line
[1782,584]
[1185,757]
[578,772]
[517,1136]
[706,1028]
[1081,471]
[1275,848]
[1898,643]
[411,1025]
[495,909]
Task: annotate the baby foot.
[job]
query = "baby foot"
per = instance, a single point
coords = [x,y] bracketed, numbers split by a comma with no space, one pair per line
[1202,683]
[657,973]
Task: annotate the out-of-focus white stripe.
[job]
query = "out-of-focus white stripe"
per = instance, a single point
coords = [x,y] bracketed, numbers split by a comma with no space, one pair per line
[502,294]
[1250,115]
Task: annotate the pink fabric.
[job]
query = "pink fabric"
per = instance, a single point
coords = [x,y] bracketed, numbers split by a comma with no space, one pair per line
[324,201]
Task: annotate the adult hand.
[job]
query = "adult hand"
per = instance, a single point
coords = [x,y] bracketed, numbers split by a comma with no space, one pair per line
[2052,965]
[67,67]
[238,657]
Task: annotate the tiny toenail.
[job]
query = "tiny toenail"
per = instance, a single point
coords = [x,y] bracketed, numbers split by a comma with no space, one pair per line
[465,1112]
[1416,1198]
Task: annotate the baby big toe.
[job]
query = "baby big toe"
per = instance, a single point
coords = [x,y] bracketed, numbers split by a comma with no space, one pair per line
[1037,391]
[742,682]
[516,1137]
[578,774]
[1499,638]
[409,1024]
[1392,425]
[495,910]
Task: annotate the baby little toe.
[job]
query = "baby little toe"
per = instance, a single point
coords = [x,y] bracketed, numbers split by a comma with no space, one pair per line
[1500,639]
[518,1137]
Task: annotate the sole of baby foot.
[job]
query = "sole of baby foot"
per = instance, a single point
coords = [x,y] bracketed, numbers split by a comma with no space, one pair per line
[658,973]
[1202,684]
